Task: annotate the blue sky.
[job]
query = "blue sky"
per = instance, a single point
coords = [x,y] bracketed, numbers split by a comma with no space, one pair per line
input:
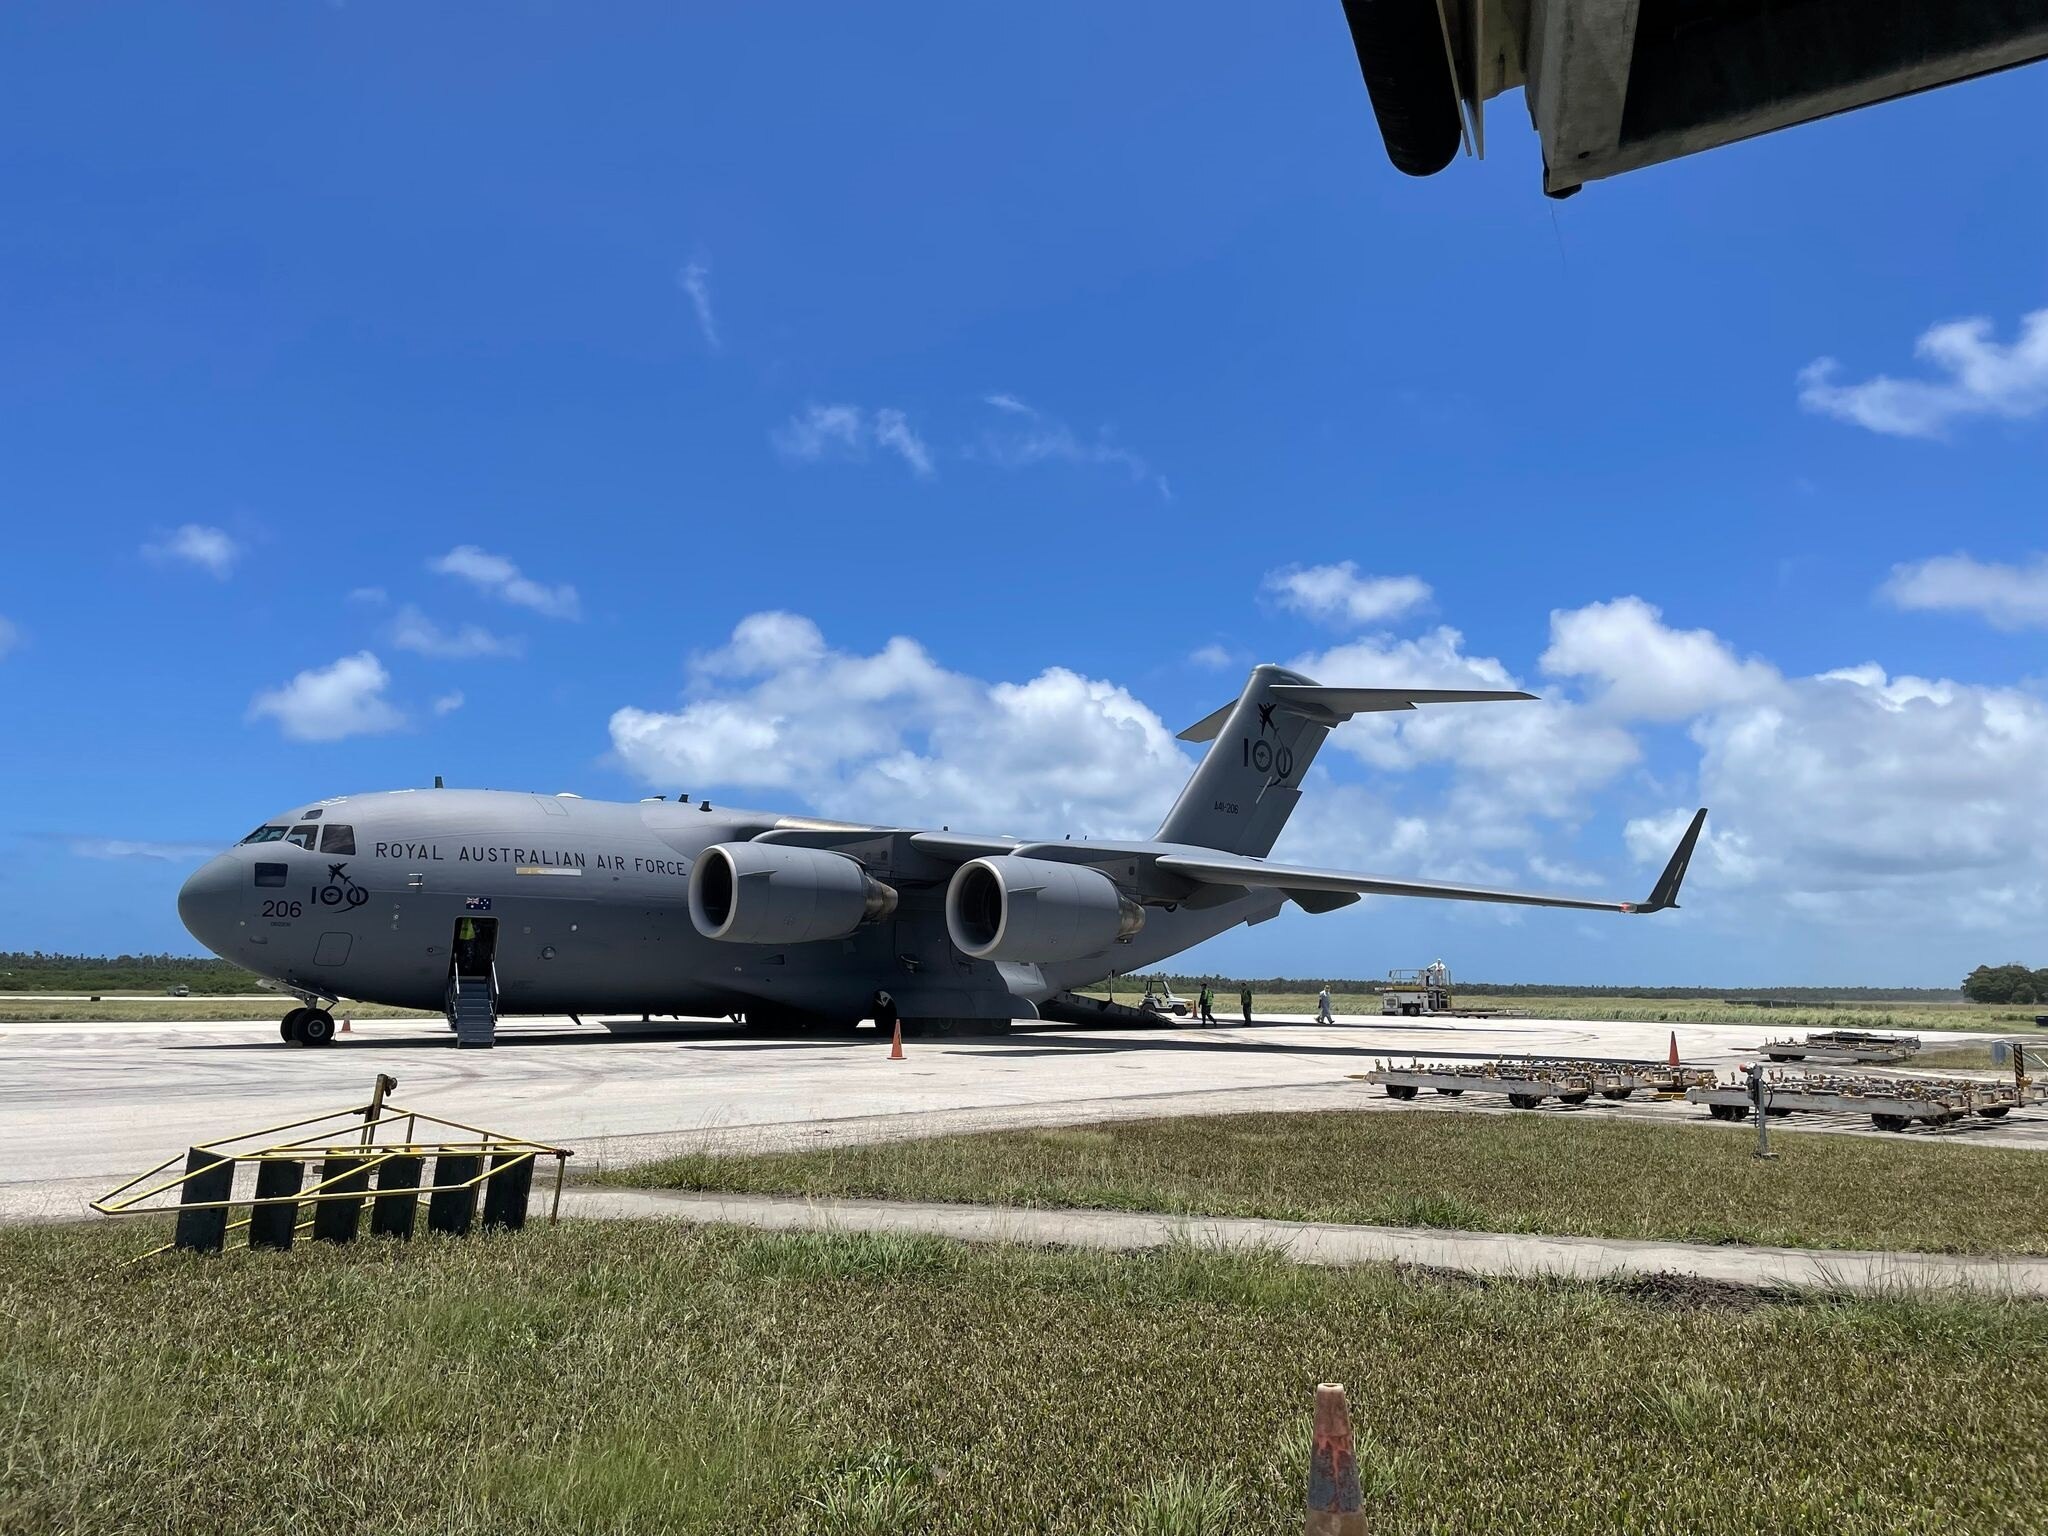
[390,391]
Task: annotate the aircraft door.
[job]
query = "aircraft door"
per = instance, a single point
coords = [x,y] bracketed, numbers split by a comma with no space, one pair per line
[476,945]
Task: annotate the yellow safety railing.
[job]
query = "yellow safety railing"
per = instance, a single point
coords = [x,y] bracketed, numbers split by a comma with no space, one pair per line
[349,1137]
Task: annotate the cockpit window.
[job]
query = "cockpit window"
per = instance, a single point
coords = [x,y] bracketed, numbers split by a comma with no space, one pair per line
[303,836]
[313,815]
[272,874]
[339,837]
[266,835]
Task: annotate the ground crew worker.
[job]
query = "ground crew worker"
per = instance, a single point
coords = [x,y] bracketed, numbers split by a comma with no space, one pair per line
[1208,1005]
[1244,997]
[465,945]
[1323,1006]
[885,1013]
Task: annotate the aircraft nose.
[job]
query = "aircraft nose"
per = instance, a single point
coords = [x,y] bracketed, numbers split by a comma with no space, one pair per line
[206,902]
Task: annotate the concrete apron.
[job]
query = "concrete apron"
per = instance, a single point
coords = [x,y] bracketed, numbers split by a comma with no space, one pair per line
[1507,1254]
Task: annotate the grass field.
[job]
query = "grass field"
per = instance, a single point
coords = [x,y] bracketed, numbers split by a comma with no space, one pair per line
[638,1377]
[1650,1010]
[179,1010]
[1484,1173]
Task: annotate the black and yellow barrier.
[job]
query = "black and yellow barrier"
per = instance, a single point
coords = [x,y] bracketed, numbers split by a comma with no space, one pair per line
[352,1166]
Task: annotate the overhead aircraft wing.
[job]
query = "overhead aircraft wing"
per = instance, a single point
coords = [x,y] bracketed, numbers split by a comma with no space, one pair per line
[1330,706]
[1230,869]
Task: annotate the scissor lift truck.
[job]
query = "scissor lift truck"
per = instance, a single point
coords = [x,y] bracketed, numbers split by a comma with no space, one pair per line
[1411,994]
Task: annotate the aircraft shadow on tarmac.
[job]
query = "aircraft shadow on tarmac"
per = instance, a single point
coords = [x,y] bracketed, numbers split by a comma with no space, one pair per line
[1044,1040]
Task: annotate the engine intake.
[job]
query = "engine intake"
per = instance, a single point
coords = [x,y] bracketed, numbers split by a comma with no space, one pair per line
[1036,910]
[765,893]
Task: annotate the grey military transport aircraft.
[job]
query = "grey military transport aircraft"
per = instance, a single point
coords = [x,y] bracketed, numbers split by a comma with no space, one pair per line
[486,903]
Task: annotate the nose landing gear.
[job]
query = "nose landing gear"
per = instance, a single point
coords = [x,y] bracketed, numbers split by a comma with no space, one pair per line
[307,1026]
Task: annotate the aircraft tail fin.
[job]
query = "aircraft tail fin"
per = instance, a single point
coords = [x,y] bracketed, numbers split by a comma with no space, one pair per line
[1262,744]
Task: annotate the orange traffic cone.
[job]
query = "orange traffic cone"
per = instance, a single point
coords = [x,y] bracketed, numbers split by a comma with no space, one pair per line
[1334,1502]
[1674,1049]
[346,1028]
[896,1042]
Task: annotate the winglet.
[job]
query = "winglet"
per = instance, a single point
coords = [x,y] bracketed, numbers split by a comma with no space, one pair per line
[1665,893]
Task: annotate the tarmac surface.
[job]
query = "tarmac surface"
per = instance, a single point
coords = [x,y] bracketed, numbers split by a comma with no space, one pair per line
[88,1105]
[1512,1254]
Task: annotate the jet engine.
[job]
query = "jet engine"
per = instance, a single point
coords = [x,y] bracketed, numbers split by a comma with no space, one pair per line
[767,893]
[1036,910]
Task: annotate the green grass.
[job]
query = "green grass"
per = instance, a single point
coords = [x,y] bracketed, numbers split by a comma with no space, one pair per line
[641,1377]
[1605,1008]
[1489,1173]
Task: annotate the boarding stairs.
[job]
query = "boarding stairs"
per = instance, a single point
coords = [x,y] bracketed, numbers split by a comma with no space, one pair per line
[473,1008]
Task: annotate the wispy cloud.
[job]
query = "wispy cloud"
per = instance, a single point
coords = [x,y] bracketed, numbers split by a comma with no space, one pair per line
[1214,657]
[1338,593]
[1982,378]
[332,702]
[137,848]
[2008,597]
[10,637]
[849,432]
[374,596]
[695,280]
[195,544]
[449,702]
[413,631]
[503,580]
[1028,436]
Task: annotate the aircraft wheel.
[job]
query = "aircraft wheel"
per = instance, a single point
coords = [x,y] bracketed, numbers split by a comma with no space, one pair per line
[316,1027]
[288,1026]
[1400,46]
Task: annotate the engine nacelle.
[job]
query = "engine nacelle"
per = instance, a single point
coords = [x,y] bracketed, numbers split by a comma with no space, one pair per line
[767,893]
[1036,910]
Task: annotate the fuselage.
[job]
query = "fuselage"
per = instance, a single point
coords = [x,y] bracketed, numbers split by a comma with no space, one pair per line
[583,906]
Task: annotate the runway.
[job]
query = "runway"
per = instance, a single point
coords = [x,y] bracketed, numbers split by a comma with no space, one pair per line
[90,1104]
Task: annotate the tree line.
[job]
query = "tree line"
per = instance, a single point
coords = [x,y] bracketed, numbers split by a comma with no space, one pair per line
[34,971]
[2012,983]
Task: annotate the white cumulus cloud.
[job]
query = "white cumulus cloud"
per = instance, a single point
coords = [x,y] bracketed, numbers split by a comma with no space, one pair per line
[332,702]
[2008,597]
[503,580]
[1976,376]
[893,736]
[1647,670]
[1338,594]
[196,544]
[413,631]
[850,432]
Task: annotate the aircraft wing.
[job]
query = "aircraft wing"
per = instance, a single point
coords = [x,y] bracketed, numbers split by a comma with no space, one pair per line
[1231,869]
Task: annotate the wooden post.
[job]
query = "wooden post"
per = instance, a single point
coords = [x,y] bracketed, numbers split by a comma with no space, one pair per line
[1334,1503]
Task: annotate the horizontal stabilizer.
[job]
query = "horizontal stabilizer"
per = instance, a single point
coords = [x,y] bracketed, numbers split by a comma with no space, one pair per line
[1332,706]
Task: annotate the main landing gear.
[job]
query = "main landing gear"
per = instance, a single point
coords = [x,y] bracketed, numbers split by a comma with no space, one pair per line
[307,1026]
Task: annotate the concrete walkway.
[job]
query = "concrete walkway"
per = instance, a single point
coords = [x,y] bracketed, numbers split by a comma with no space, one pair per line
[1477,1253]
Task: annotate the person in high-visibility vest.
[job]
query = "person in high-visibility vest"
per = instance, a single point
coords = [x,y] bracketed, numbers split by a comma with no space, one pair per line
[1244,998]
[465,944]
